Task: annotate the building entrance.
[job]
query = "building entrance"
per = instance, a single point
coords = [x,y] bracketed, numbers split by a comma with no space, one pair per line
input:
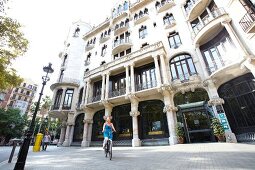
[194,115]
[195,118]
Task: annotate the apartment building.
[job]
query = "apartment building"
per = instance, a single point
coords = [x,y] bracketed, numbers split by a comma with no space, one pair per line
[154,64]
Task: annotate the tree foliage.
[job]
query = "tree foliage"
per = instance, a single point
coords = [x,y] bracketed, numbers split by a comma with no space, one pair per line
[12,44]
[12,124]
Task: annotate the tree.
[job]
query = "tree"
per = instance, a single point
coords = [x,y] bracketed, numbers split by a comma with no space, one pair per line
[11,124]
[12,44]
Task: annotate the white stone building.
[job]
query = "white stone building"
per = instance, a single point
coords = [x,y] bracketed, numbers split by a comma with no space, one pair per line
[152,64]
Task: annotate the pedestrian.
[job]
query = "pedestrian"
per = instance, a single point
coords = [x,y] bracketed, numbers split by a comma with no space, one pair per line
[46,141]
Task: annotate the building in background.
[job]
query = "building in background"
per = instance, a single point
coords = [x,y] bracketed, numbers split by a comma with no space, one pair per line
[154,63]
[20,97]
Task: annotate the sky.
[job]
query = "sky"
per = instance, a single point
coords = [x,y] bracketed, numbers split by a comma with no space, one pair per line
[46,24]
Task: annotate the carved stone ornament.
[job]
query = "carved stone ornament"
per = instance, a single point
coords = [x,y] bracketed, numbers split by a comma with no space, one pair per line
[215,101]
[89,121]
[170,108]
[134,113]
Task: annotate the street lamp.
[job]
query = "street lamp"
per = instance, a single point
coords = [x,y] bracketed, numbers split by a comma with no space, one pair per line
[20,164]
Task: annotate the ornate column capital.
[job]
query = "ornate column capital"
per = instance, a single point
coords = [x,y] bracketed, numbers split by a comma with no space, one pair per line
[89,121]
[70,123]
[132,64]
[170,108]
[155,57]
[108,73]
[215,101]
[134,113]
[63,124]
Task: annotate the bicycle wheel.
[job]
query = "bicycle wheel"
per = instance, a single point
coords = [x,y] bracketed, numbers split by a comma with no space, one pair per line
[106,150]
[110,150]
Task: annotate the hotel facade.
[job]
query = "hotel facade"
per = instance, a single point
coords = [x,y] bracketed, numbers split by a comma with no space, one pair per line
[154,64]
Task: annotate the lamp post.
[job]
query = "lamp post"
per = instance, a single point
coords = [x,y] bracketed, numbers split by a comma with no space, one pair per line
[20,164]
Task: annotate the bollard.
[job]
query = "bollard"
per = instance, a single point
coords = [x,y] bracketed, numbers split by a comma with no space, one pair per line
[15,141]
[37,144]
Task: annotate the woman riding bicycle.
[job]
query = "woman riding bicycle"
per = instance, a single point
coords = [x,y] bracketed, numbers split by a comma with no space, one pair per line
[107,130]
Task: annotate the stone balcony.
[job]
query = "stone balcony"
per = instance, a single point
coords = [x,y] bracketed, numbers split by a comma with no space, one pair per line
[141,18]
[196,8]
[248,22]
[164,5]
[89,47]
[121,45]
[66,82]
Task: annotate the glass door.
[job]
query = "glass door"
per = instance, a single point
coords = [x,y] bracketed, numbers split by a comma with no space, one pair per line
[197,126]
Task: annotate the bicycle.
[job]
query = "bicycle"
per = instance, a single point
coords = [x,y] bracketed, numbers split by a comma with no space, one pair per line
[108,149]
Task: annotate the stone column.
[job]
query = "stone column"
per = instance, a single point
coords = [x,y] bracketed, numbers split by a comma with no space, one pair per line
[84,93]
[217,105]
[87,91]
[209,12]
[201,62]
[103,87]
[134,113]
[62,98]
[135,141]
[108,108]
[62,133]
[170,111]
[158,77]
[201,21]
[107,85]
[132,78]
[171,114]
[248,64]
[66,142]
[90,125]
[84,142]
[71,134]
[127,79]
[234,37]
[163,66]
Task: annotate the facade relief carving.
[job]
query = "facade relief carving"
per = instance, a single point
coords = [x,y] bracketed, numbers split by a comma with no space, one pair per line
[215,101]
[169,108]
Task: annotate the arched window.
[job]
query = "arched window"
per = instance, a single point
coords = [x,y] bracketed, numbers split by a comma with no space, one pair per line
[113,12]
[116,26]
[136,17]
[122,24]
[94,41]
[182,67]
[119,9]
[157,4]
[142,32]
[109,31]
[127,22]
[140,14]
[174,40]
[146,11]
[168,18]
[125,5]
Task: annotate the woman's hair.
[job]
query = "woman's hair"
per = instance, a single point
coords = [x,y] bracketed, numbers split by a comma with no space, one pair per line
[105,117]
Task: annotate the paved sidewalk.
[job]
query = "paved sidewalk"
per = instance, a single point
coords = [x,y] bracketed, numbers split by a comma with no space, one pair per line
[187,156]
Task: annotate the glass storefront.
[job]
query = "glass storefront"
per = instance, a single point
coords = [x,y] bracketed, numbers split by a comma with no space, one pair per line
[152,120]
[122,122]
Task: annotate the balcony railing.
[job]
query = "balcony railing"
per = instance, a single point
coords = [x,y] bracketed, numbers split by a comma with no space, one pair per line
[116,93]
[121,41]
[206,20]
[55,107]
[248,20]
[146,85]
[94,99]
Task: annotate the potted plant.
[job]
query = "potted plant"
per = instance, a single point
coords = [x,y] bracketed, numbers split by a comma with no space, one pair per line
[180,134]
[218,130]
